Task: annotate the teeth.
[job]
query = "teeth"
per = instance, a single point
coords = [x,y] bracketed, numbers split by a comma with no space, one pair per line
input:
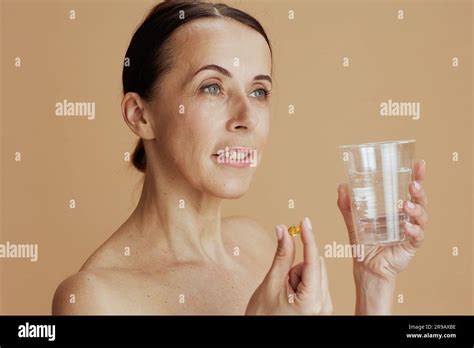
[236,155]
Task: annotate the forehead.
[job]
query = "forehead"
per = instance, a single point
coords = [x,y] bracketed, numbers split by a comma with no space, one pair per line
[220,41]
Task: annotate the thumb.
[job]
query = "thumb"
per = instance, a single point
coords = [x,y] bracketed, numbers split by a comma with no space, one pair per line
[284,257]
[344,204]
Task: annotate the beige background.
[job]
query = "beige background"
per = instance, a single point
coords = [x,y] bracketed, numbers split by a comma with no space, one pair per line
[73,158]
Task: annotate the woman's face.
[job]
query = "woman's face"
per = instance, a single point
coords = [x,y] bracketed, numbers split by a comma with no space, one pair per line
[212,102]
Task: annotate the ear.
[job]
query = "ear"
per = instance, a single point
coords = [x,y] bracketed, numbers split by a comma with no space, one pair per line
[136,117]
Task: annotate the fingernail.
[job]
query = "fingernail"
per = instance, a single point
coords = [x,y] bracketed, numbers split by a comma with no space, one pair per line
[279,232]
[409,225]
[417,186]
[410,205]
[307,222]
[423,162]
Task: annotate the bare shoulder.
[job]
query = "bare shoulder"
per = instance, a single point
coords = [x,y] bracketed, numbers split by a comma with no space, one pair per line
[91,290]
[82,293]
[249,231]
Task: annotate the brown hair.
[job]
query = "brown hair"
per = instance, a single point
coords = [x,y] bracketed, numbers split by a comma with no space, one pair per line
[149,58]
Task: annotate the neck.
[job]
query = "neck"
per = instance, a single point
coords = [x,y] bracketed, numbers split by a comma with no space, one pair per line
[186,223]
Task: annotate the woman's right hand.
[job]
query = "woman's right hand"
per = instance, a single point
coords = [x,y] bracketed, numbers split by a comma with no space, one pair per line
[288,289]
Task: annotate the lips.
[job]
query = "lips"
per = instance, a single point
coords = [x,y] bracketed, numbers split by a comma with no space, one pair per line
[235,156]
[239,152]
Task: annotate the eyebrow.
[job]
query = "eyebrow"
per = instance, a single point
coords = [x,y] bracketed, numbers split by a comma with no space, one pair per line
[225,72]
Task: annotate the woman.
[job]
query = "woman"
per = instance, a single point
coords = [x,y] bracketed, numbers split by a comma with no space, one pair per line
[197,78]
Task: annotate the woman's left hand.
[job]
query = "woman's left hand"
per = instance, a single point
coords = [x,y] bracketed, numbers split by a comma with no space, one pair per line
[380,264]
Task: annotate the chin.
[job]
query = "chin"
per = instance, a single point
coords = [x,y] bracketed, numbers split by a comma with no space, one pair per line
[230,189]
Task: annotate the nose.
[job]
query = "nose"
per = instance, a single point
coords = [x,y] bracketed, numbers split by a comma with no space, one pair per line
[244,118]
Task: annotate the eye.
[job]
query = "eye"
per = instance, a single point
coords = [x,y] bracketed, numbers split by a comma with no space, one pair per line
[262,93]
[212,89]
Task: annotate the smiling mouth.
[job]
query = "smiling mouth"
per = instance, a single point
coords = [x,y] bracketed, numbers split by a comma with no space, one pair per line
[234,157]
[237,155]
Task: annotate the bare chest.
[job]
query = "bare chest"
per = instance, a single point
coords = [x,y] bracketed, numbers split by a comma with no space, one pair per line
[184,292]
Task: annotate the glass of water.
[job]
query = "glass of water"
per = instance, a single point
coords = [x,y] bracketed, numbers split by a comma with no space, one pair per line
[379,174]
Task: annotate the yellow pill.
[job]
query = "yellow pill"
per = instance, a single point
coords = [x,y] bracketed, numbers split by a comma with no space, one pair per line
[294,230]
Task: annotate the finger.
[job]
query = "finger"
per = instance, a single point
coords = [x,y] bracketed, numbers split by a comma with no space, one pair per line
[418,194]
[310,249]
[311,272]
[415,234]
[417,212]
[283,259]
[326,300]
[419,170]
[295,276]
[344,204]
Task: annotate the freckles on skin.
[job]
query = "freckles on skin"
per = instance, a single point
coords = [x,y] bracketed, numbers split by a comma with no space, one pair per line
[223,42]
[214,42]
[190,138]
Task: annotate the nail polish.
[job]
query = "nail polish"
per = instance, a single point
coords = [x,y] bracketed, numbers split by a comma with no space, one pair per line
[308,222]
[279,232]
[417,186]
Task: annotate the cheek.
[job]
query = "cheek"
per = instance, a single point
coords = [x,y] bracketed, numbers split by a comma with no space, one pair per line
[191,136]
[263,129]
